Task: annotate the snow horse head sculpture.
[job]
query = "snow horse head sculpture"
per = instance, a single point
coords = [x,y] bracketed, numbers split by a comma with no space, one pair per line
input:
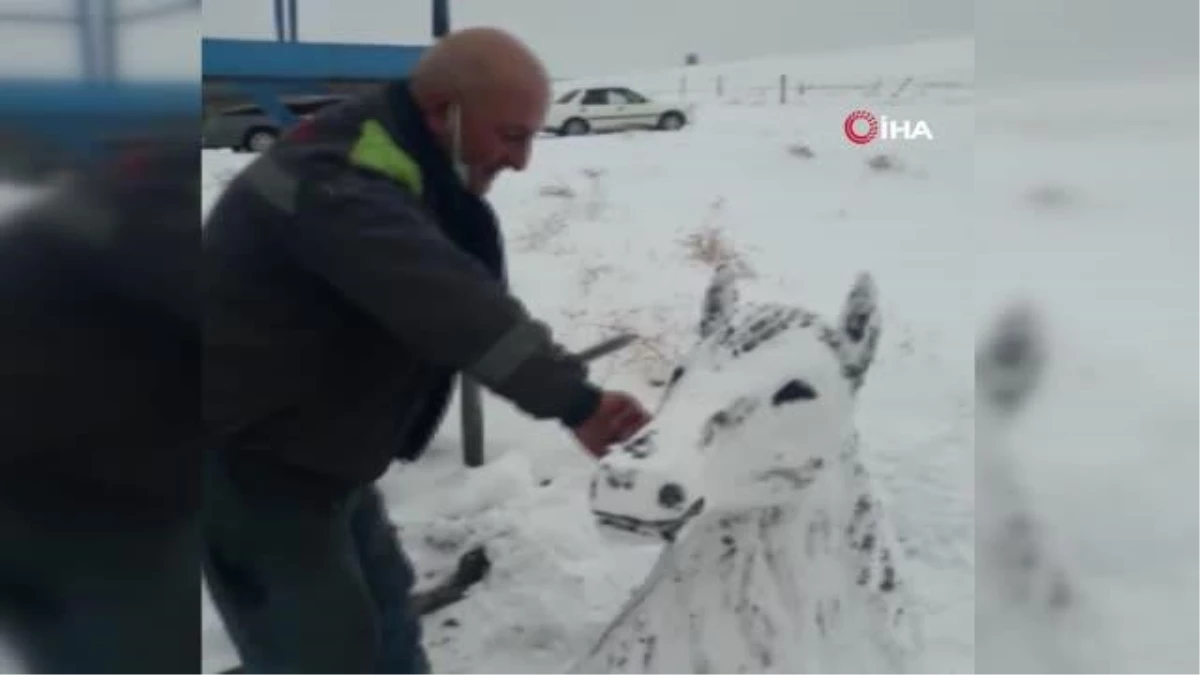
[762,402]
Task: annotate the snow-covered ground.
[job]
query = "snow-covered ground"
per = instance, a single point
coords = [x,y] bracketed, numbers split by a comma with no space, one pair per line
[598,231]
[17,196]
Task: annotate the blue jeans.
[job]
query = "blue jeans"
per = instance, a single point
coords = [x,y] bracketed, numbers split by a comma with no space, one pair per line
[309,587]
[389,578]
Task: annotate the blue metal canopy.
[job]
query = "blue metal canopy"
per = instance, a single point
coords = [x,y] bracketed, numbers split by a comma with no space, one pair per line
[257,60]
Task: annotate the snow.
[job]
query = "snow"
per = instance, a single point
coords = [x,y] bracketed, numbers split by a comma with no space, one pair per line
[598,232]
[789,565]
[15,197]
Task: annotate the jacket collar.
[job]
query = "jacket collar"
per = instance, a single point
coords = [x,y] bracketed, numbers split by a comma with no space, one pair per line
[466,217]
[406,123]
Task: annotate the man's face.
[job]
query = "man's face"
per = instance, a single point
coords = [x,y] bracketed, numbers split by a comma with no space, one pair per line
[497,132]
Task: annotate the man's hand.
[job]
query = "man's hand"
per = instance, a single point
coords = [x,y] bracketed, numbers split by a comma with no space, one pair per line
[618,417]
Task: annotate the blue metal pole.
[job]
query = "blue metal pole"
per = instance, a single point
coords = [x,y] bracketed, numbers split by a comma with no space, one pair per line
[107,29]
[441,18]
[292,14]
[86,47]
[279,36]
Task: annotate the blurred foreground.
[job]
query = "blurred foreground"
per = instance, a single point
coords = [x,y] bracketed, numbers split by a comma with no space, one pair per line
[99,349]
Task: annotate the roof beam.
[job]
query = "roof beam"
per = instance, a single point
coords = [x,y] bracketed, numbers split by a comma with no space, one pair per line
[269,60]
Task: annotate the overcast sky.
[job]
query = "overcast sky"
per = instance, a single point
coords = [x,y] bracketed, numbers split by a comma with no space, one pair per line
[1018,40]
[583,37]
[574,37]
[165,47]
[1014,38]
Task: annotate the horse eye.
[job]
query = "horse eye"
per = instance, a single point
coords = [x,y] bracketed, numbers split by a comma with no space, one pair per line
[675,375]
[794,390]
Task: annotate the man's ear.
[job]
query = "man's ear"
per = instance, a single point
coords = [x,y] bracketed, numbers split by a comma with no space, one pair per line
[437,117]
[435,104]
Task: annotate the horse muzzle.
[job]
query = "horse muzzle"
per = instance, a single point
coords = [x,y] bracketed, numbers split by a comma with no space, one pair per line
[642,528]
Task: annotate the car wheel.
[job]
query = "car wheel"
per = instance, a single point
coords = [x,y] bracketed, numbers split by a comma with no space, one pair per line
[670,121]
[259,140]
[575,127]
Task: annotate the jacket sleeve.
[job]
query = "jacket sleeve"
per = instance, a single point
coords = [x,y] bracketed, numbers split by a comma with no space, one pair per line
[378,247]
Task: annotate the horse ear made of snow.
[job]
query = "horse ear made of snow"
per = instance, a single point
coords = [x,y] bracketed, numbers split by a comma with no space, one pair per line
[859,326]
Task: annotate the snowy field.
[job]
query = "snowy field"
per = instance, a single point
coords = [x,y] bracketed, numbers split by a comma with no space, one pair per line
[611,233]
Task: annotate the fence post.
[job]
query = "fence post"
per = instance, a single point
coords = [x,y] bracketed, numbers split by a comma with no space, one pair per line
[720,86]
[782,89]
[683,87]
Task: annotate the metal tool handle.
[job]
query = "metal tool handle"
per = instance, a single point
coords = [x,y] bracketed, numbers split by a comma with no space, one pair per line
[607,347]
[472,399]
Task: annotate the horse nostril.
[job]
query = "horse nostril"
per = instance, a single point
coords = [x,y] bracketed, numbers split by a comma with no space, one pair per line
[671,495]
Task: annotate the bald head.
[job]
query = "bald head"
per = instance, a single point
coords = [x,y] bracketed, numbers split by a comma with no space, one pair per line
[486,88]
[472,61]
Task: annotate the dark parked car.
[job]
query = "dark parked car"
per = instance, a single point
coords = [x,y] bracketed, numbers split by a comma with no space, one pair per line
[249,127]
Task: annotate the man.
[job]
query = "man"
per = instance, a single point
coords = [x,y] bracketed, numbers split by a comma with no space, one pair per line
[351,272]
[99,424]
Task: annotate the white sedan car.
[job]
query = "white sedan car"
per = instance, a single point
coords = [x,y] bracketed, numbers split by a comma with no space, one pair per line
[582,111]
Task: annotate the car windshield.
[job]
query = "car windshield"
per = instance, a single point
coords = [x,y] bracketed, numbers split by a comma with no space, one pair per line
[565,98]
